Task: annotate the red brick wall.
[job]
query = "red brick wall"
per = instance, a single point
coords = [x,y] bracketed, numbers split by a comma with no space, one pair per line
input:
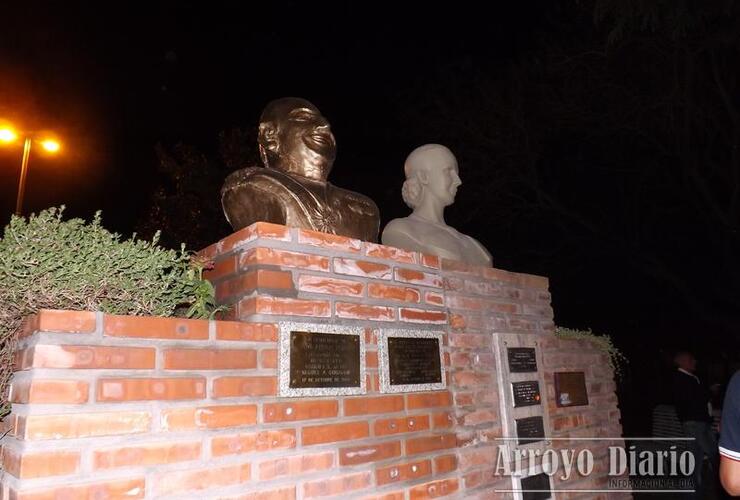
[151,407]
[600,418]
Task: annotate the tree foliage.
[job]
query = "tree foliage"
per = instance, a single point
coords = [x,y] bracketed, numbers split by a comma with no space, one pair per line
[186,205]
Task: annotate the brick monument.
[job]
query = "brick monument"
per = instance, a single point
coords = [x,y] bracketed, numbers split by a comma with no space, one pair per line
[141,407]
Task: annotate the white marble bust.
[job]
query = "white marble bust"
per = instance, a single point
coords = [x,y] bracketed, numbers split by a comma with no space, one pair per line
[431,184]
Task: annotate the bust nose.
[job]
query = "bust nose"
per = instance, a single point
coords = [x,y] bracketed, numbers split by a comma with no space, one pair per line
[456,180]
[324,129]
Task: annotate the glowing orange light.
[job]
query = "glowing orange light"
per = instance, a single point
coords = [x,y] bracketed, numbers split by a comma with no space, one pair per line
[50,145]
[8,135]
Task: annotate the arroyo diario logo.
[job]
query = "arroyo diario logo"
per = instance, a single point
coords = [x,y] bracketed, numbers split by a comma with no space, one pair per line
[598,465]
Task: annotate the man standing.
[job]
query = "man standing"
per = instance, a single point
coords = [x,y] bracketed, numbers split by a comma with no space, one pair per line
[691,398]
[729,441]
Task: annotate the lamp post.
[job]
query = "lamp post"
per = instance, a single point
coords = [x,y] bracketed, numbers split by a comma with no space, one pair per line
[9,135]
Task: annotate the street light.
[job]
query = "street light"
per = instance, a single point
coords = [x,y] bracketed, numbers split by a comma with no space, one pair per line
[50,145]
[9,135]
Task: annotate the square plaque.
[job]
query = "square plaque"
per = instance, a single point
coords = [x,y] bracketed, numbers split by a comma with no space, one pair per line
[526,393]
[530,430]
[536,487]
[570,389]
[522,359]
[410,360]
[321,360]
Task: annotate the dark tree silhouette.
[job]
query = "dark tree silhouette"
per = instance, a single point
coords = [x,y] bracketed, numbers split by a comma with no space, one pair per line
[186,205]
[621,141]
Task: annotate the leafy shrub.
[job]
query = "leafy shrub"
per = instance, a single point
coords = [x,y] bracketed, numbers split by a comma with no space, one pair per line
[49,263]
[604,342]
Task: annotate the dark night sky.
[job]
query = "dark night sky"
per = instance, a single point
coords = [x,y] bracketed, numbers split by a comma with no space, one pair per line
[115,81]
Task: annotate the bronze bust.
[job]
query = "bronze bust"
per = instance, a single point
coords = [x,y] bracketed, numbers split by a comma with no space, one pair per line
[298,150]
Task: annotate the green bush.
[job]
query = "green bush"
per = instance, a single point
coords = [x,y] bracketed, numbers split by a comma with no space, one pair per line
[616,359]
[49,263]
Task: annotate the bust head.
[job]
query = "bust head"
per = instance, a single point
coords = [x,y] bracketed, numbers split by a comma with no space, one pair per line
[295,138]
[431,176]
[431,185]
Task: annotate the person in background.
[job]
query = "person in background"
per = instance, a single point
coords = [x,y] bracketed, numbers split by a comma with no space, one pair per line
[729,438]
[691,399]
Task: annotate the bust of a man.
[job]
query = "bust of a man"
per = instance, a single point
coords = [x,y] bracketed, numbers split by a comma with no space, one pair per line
[298,150]
[431,184]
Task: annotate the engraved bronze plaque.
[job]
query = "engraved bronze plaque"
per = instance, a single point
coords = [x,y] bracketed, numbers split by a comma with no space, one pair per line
[324,360]
[530,430]
[536,487]
[522,359]
[526,393]
[570,389]
[413,360]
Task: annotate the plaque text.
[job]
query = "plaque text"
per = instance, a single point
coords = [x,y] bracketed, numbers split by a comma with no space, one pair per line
[324,360]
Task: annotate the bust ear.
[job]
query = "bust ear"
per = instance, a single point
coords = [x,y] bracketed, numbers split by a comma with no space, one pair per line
[267,140]
[423,176]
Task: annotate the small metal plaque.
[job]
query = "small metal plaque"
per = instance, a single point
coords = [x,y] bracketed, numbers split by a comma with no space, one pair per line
[522,359]
[321,360]
[536,487]
[526,393]
[414,360]
[570,389]
[530,430]
[324,360]
[410,360]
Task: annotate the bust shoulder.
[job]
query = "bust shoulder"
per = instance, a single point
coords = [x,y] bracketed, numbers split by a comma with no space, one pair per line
[402,224]
[355,201]
[250,176]
[415,233]
[402,233]
[264,186]
[477,253]
[259,193]
[255,194]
